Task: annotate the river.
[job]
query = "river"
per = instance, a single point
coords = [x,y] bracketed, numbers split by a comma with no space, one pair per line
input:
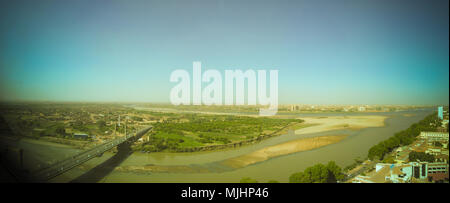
[356,145]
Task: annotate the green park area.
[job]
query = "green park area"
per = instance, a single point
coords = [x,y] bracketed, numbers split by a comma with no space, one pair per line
[191,132]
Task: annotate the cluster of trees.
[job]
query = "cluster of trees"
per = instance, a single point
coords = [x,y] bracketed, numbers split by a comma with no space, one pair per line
[437,144]
[319,173]
[223,124]
[136,118]
[404,137]
[211,139]
[208,129]
[421,156]
[250,180]
[356,162]
[157,144]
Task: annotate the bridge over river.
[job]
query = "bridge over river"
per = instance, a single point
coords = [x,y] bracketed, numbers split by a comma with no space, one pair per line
[65,165]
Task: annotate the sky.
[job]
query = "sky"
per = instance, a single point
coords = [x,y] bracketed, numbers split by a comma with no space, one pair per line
[326,51]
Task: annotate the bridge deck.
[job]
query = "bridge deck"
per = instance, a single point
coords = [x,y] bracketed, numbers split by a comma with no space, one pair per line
[69,163]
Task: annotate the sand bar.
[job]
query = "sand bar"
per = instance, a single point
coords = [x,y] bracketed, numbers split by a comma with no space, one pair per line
[340,122]
[282,149]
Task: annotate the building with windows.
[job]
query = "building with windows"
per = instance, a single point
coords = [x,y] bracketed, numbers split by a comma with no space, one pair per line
[438,171]
[437,167]
[434,136]
[395,173]
[441,112]
[405,173]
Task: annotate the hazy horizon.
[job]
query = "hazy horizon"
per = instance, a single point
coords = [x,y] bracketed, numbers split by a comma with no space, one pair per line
[327,52]
[168,103]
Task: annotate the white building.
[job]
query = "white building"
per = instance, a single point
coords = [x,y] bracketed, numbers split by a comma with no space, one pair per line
[434,136]
[395,173]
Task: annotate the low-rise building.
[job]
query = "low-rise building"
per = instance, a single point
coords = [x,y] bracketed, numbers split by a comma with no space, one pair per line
[81,135]
[395,173]
[444,123]
[406,173]
[434,136]
[433,151]
[437,167]
[438,171]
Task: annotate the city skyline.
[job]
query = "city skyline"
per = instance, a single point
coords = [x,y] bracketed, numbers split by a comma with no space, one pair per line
[327,52]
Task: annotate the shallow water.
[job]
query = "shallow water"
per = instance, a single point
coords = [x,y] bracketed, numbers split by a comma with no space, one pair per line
[279,168]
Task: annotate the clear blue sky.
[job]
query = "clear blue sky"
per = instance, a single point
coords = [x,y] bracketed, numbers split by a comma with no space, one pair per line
[326,51]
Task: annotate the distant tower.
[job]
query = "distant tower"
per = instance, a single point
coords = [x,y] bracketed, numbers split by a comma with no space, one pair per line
[441,113]
[119,120]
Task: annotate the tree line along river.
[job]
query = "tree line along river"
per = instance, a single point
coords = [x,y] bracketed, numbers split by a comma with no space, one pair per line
[101,169]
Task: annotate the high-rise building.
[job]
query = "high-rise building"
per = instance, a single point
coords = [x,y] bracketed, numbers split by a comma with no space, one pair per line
[441,113]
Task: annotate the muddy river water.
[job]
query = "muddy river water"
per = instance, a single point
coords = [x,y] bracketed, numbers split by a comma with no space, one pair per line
[204,167]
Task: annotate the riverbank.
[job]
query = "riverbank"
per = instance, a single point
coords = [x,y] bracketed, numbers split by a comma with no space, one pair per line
[242,161]
[311,125]
[322,124]
[282,149]
[203,166]
[77,144]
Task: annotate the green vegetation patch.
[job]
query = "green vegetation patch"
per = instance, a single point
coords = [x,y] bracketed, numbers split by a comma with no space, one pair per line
[405,137]
[187,132]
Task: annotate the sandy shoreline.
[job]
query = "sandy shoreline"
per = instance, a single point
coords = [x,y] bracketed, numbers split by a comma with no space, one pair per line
[286,148]
[261,155]
[323,124]
[315,125]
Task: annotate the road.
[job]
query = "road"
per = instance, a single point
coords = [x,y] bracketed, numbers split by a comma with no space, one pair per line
[363,167]
[69,163]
